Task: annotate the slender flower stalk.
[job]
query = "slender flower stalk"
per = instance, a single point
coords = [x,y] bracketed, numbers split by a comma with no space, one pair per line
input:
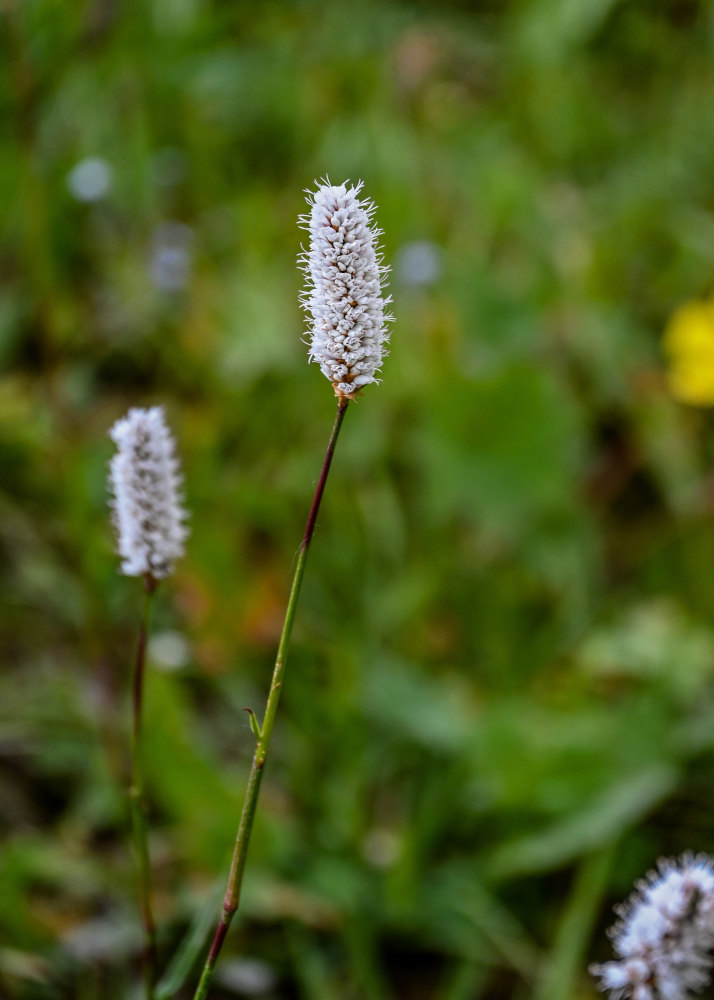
[264,733]
[136,794]
[148,519]
[347,332]
[664,935]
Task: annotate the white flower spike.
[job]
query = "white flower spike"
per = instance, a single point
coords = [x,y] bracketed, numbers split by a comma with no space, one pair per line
[664,935]
[344,299]
[144,479]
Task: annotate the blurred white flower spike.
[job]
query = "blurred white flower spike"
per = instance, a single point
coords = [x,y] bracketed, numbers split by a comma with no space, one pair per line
[344,299]
[90,179]
[664,935]
[146,505]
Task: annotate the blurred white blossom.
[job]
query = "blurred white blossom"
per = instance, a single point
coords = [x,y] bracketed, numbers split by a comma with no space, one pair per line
[344,299]
[102,939]
[250,977]
[144,480]
[664,935]
[381,847]
[90,179]
[419,264]
[169,650]
[171,256]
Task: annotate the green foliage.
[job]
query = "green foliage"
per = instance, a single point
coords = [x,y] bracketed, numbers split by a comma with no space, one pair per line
[499,707]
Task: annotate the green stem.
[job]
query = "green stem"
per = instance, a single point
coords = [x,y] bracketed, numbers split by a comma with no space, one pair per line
[240,852]
[136,794]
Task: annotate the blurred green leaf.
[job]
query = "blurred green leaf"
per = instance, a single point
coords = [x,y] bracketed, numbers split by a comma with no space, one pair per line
[628,800]
[504,450]
[192,947]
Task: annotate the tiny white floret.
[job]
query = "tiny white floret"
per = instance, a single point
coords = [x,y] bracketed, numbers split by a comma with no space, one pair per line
[344,300]
[146,505]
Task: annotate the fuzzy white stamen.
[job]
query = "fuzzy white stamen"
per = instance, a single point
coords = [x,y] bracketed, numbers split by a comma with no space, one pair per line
[665,934]
[144,479]
[344,299]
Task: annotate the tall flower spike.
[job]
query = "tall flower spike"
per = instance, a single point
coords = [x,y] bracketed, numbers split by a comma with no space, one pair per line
[344,298]
[664,935]
[144,479]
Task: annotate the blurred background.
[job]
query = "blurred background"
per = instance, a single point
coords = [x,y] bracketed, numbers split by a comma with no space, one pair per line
[499,707]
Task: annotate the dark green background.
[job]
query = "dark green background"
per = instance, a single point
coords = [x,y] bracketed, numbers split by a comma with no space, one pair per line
[499,708]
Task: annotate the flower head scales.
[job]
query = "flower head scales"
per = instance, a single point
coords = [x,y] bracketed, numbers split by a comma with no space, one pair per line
[344,300]
[146,508]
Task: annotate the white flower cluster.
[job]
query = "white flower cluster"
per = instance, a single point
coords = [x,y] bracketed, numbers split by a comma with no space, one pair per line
[144,479]
[345,278]
[664,934]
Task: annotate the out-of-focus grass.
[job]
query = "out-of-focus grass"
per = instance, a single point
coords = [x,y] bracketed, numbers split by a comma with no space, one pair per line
[500,703]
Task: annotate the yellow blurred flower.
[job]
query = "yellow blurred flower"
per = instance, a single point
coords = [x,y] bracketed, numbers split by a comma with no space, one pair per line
[689,345]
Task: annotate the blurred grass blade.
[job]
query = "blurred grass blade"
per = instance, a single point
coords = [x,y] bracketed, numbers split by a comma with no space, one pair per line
[190,949]
[620,806]
[310,966]
[566,962]
[467,983]
[459,911]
